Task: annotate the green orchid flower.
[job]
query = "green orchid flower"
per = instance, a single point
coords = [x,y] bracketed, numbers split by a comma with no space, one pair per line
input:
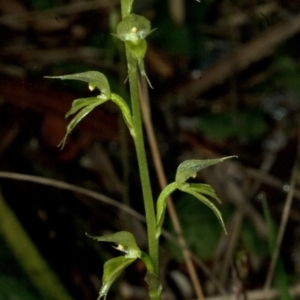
[202,192]
[125,243]
[83,106]
[133,30]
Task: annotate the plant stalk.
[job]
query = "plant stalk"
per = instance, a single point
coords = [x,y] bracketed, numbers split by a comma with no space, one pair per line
[142,161]
[141,153]
[143,166]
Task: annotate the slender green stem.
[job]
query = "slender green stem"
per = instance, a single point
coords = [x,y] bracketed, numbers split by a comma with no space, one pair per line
[142,161]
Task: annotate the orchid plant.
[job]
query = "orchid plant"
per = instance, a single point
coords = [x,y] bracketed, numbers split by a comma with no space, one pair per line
[132,31]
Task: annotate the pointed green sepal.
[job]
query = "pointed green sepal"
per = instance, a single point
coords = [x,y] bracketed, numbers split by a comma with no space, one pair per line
[125,111]
[112,270]
[189,168]
[83,102]
[93,78]
[161,206]
[125,243]
[205,189]
[143,72]
[208,203]
[81,114]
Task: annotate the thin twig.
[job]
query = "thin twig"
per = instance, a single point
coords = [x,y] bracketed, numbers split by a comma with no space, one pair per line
[73,188]
[68,9]
[163,183]
[269,294]
[284,220]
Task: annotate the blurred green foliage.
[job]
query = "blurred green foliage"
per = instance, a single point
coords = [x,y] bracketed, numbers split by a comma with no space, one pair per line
[286,74]
[14,284]
[251,242]
[245,125]
[174,39]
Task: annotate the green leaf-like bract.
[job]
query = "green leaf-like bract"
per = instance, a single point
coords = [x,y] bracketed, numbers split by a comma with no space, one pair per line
[125,241]
[112,270]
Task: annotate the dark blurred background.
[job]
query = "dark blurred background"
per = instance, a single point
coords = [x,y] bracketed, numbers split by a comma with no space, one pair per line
[226,81]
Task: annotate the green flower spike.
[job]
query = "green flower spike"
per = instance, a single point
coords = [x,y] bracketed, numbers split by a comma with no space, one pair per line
[201,191]
[133,30]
